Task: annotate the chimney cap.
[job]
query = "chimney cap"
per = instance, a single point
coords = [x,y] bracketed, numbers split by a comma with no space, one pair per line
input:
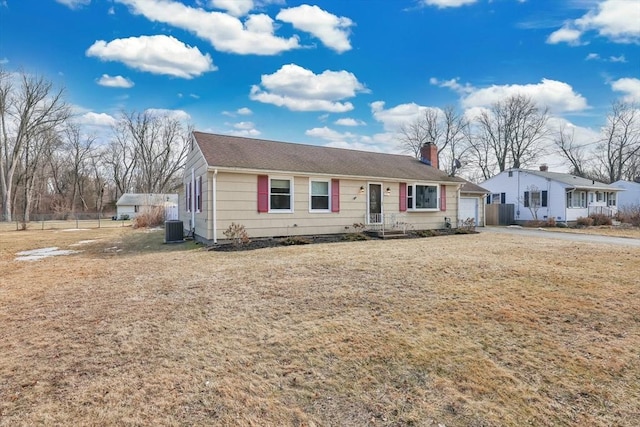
[544,167]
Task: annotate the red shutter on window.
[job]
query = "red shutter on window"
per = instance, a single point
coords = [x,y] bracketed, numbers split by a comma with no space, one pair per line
[263,193]
[403,196]
[443,197]
[200,193]
[335,195]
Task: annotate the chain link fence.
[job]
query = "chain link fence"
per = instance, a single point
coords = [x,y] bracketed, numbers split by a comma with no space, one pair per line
[70,221]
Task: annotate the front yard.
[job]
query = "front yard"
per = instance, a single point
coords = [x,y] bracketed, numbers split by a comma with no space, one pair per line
[479,329]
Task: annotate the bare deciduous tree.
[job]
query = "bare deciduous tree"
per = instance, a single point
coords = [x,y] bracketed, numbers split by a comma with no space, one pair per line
[160,148]
[26,113]
[446,128]
[575,153]
[509,134]
[620,148]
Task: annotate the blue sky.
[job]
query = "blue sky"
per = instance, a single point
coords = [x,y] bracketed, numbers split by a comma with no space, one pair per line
[328,72]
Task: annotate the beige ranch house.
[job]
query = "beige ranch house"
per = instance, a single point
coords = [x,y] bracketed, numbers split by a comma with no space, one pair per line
[284,189]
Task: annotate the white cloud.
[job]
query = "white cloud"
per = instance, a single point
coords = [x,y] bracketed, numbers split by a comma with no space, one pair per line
[592,57]
[180,115]
[347,140]
[115,81]
[226,33]
[616,20]
[4,61]
[74,4]
[558,96]
[158,54]
[629,86]
[233,7]
[332,30]
[97,119]
[244,111]
[393,118]
[299,89]
[620,59]
[448,3]
[348,121]
[565,35]
[452,84]
[244,125]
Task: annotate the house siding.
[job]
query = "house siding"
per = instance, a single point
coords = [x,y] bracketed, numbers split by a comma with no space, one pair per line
[237,202]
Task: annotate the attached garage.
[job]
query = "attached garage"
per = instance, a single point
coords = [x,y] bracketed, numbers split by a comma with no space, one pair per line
[472,200]
[469,209]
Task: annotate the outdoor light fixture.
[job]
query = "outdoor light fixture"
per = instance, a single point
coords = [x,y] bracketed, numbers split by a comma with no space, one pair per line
[362,189]
[387,192]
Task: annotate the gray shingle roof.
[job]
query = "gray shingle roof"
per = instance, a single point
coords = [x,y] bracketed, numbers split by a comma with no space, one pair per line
[470,187]
[223,151]
[573,181]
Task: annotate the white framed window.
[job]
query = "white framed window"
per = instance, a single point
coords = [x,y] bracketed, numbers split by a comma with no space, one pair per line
[423,197]
[319,195]
[576,199]
[280,195]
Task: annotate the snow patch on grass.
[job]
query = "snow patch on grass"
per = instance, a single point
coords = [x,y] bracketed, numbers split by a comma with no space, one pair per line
[38,254]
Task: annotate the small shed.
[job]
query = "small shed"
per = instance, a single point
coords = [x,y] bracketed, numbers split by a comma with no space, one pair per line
[129,205]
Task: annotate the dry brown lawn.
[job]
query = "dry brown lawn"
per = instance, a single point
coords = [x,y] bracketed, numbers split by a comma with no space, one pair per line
[470,330]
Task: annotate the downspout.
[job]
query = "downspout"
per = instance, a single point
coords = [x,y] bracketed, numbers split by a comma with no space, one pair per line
[484,211]
[215,206]
[193,202]
[458,205]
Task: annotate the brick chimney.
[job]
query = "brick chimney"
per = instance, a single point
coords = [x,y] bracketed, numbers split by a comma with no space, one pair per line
[429,154]
[544,167]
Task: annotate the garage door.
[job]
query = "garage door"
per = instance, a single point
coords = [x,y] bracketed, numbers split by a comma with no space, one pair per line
[469,208]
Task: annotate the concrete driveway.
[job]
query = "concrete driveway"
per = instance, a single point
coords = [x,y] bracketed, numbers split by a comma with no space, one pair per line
[575,237]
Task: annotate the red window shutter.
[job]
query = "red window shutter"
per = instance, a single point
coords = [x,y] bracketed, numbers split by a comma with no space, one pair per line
[443,197]
[403,196]
[335,195]
[263,193]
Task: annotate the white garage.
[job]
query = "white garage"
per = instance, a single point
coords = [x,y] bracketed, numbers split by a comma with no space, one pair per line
[469,208]
[472,200]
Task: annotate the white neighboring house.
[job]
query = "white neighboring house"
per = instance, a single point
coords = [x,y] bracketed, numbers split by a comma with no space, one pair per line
[131,204]
[541,195]
[630,197]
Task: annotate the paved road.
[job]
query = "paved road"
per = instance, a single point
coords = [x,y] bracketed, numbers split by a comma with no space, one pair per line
[575,237]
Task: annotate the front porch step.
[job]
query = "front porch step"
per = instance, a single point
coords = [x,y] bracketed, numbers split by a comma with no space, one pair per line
[387,234]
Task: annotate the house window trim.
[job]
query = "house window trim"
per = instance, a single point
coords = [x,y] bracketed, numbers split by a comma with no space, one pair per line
[329,195]
[581,195]
[412,186]
[291,194]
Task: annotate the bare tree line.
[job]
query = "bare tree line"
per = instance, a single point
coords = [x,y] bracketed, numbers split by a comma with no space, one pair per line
[49,164]
[516,133]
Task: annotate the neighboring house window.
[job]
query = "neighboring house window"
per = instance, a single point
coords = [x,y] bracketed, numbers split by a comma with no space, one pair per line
[535,199]
[280,195]
[576,199]
[590,197]
[510,174]
[612,199]
[422,197]
[599,196]
[495,198]
[319,197]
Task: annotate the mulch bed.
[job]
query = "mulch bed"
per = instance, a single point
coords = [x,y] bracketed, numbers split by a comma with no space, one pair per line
[326,238]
